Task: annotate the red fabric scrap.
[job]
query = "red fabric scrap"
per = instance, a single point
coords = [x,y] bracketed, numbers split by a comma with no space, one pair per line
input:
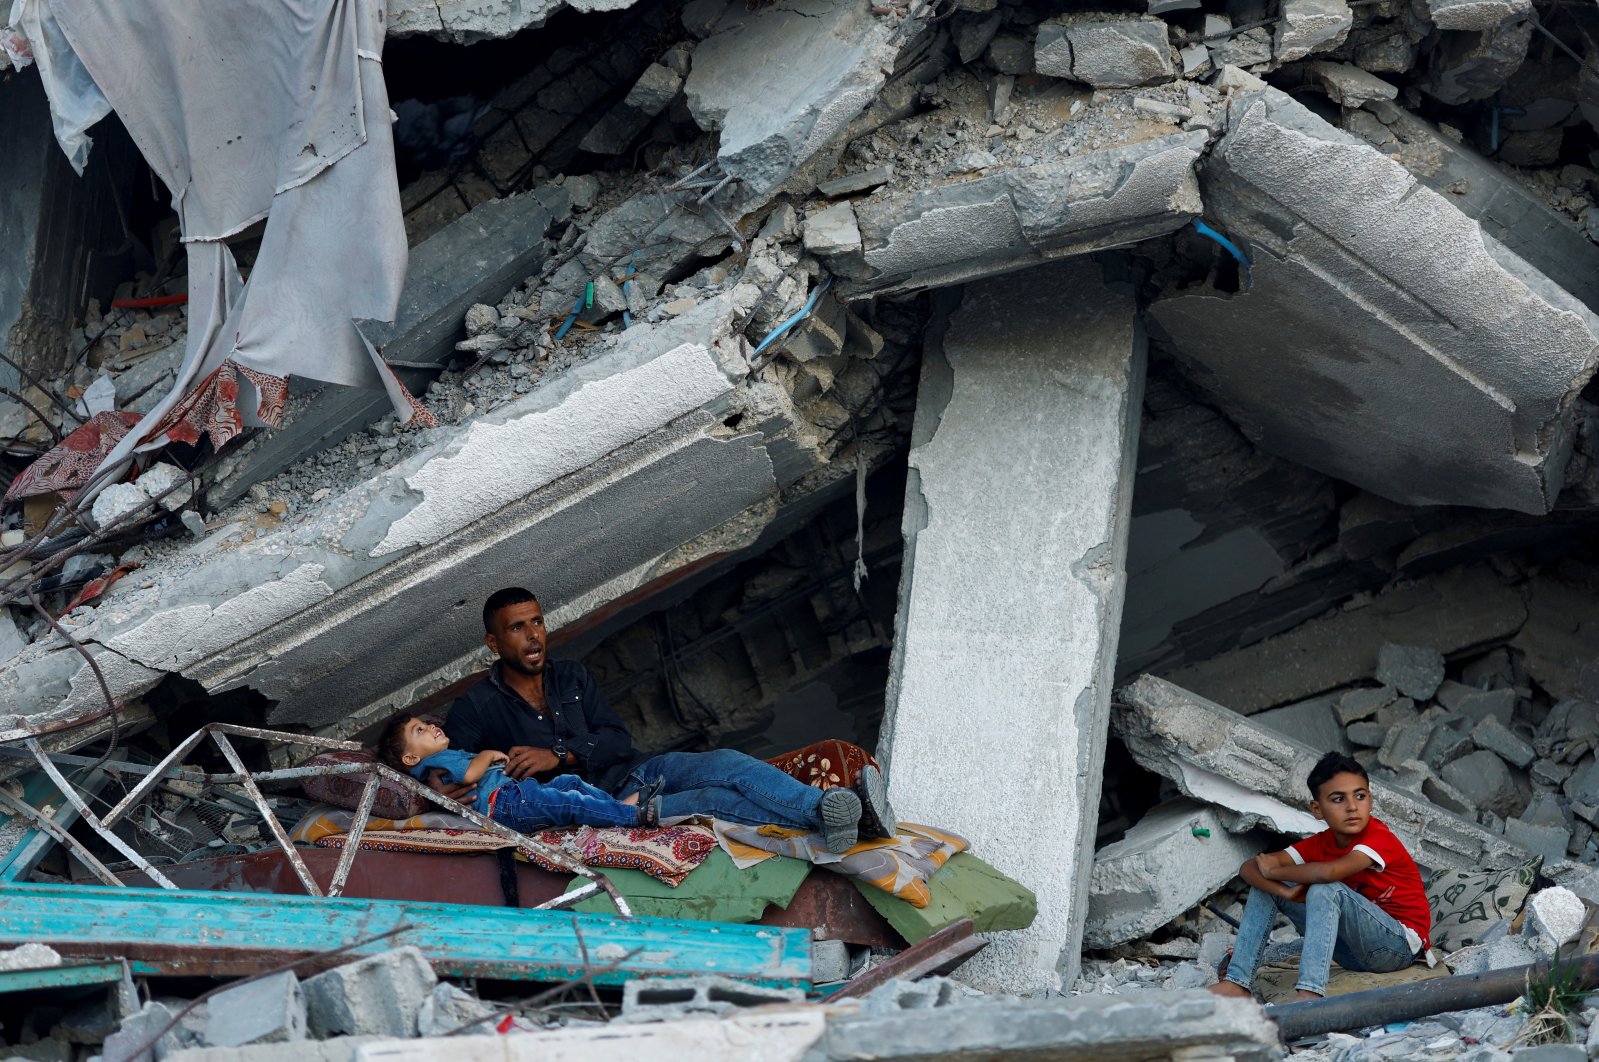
[98,585]
[67,466]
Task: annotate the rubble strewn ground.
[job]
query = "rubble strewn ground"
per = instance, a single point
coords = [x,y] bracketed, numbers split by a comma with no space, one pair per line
[1222,369]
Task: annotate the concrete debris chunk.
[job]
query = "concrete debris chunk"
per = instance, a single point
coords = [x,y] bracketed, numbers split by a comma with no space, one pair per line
[1175,856]
[117,500]
[481,318]
[381,995]
[1356,705]
[655,88]
[29,957]
[1173,732]
[1486,782]
[270,1010]
[1415,671]
[1476,14]
[162,477]
[1494,736]
[448,1008]
[856,182]
[1350,86]
[1550,842]
[1478,705]
[1554,916]
[817,69]
[1105,51]
[1311,26]
[671,998]
[833,231]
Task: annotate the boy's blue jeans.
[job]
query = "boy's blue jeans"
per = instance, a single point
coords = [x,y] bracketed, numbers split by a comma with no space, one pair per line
[726,785]
[565,800]
[1335,921]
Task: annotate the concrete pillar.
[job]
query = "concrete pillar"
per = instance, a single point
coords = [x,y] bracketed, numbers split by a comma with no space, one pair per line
[1016,517]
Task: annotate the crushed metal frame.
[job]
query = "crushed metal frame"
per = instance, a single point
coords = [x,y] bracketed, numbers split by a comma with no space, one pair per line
[220,733]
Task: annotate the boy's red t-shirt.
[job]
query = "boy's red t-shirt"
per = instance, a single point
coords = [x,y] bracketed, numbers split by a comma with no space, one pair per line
[1392,882]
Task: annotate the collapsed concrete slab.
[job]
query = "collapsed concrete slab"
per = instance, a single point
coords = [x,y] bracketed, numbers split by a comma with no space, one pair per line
[369,600]
[1451,612]
[939,234]
[1171,732]
[475,258]
[1035,383]
[1447,365]
[1154,1025]
[1522,222]
[1174,857]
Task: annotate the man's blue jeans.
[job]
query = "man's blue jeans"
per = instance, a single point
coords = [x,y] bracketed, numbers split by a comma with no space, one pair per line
[564,800]
[1335,921]
[726,785]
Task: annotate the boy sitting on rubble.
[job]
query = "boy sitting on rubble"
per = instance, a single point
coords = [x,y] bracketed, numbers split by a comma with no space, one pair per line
[1352,891]
[417,746]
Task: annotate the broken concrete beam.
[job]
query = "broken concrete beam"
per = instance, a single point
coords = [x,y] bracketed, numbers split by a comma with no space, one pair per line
[336,616]
[1451,612]
[1048,366]
[1105,51]
[474,259]
[818,64]
[944,234]
[1171,732]
[376,996]
[1456,362]
[1524,223]
[1172,858]
[1177,1025]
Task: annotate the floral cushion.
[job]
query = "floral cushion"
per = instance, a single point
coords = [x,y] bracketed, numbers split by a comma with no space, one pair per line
[344,790]
[1466,902]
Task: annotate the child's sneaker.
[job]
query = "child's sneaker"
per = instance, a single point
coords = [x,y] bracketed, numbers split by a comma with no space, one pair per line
[840,813]
[877,818]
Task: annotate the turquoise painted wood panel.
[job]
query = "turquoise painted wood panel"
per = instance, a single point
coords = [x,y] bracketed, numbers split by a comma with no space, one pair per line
[187,932]
[89,973]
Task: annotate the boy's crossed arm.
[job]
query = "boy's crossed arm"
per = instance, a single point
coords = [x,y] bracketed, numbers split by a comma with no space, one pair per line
[481,763]
[1278,874]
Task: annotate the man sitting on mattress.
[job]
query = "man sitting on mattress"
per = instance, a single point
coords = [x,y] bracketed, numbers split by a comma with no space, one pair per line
[551,718]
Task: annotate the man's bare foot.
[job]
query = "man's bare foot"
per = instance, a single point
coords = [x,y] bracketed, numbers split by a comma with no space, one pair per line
[1302,996]
[631,799]
[1231,990]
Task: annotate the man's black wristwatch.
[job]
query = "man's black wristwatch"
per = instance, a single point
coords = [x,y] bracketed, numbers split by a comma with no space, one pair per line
[561,752]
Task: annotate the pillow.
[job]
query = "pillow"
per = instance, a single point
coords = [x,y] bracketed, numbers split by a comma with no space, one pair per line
[344,790]
[1466,902]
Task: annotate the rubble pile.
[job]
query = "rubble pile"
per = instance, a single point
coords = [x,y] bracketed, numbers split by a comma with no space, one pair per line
[883,367]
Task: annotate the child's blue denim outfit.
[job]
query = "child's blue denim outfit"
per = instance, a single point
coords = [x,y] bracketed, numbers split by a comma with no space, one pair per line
[564,800]
[1336,922]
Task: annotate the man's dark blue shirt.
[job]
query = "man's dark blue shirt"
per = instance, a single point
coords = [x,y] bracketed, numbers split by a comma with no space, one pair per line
[491,715]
